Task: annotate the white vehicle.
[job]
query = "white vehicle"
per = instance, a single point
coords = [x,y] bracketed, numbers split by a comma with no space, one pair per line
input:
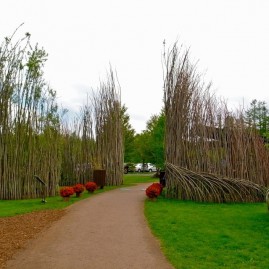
[139,167]
[151,167]
[147,167]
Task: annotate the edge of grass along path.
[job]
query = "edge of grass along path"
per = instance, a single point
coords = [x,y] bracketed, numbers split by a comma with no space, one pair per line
[16,207]
[10,208]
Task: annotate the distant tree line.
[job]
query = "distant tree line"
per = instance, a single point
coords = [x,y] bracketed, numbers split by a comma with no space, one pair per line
[147,146]
[257,116]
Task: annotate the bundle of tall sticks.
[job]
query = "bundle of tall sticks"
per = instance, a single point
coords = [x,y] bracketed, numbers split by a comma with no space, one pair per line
[204,187]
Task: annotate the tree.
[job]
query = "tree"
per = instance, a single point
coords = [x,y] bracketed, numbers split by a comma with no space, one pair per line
[257,116]
[128,136]
[149,145]
[155,128]
[141,147]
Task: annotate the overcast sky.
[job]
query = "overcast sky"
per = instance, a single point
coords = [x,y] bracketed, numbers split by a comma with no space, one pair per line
[230,38]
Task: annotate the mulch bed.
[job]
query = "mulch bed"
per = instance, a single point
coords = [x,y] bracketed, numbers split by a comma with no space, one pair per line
[16,231]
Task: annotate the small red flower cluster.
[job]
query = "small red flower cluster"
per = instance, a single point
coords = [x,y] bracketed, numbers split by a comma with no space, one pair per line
[79,188]
[66,191]
[90,186]
[154,190]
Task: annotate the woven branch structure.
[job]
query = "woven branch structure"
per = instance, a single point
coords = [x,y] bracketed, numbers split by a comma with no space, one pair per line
[205,187]
[204,139]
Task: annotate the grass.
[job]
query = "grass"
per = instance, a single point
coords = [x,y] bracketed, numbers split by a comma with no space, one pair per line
[17,207]
[134,178]
[200,235]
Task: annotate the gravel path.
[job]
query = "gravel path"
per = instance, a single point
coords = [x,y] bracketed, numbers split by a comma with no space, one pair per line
[106,231]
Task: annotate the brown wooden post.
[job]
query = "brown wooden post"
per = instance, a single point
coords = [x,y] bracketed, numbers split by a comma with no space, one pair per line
[99,177]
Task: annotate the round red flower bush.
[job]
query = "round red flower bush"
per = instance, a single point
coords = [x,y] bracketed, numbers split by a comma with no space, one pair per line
[152,191]
[158,186]
[79,188]
[91,186]
[66,191]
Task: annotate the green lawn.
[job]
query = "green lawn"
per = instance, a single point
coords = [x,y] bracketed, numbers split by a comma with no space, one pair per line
[209,236]
[134,178]
[16,207]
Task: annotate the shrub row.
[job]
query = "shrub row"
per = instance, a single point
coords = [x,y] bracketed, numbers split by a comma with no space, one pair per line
[78,189]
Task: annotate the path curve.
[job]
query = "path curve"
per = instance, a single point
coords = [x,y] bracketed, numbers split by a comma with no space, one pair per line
[107,231]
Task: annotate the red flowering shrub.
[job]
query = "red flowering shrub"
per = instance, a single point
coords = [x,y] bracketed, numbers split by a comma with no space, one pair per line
[152,191]
[79,188]
[90,186]
[66,191]
[158,186]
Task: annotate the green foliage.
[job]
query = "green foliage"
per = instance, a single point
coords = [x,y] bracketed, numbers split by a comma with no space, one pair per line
[149,145]
[36,61]
[142,147]
[128,136]
[199,235]
[258,117]
[155,126]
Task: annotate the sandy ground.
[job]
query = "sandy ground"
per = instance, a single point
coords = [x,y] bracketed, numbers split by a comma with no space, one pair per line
[106,231]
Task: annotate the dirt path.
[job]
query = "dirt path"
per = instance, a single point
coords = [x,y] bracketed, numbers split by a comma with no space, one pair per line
[106,231]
